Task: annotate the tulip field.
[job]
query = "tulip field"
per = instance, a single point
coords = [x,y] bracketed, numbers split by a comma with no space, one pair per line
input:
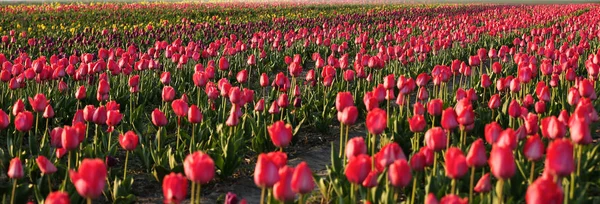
[299,103]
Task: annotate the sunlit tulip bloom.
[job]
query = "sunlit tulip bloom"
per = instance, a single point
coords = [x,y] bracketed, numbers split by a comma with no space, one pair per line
[399,174]
[165,78]
[175,188]
[387,155]
[435,107]
[417,162]
[199,167]
[552,128]
[453,199]
[24,121]
[280,133]
[502,162]
[90,179]
[46,167]
[38,102]
[376,121]
[349,115]
[282,190]
[168,94]
[476,157]
[355,146]
[431,199]
[358,168]
[266,172]
[456,163]
[194,114]
[544,191]
[417,123]
[15,169]
[180,107]
[436,139]
[302,179]
[158,118]
[343,100]
[129,140]
[57,197]
[278,158]
[4,120]
[449,119]
[483,185]
[534,148]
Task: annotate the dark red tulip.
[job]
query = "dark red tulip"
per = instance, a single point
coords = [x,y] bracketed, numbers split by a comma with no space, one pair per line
[376,121]
[199,167]
[38,102]
[266,172]
[544,191]
[358,168]
[436,139]
[355,146]
[502,162]
[483,185]
[90,179]
[417,162]
[15,169]
[477,154]
[534,148]
[302,180]
[175,188]
[559,158]
[399,174]
[24,121]
[46,167]
[100,115]
[168,94]
[129,140]
[158,118]
[435,106]
[180,107]
[282,190]
[280,133]
[456,164]
[417,123]
[4,120]
[449,120]
[58,197]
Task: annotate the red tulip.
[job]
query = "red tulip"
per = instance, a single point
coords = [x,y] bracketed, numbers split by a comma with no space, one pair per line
[389,81]
[302,180]
[483,185]
[418,108]
[514,109]
[24,121]
[15,169]
[417,162]
[559,158]
[4,120]
[69,138]
[494,102]
[223,64]
[57,197]
[502,162]
[266,172]
[507,139]
[260,105]
[88,113]
[358,168]
[456,164]
[435,106]
[242,76]
[180,107]
[48,112]
[46,167]
[165,78]
[371,180]
[449,120]
[343,100]
[492,132]
[544,191]
[158,118]
[283,101]
[552,128]
[280,133]
[533,148]
[274,109]
[282,190]
[431,199]
[278,158]
[38,102]
[355,146]
[199,167]
[417,123]
[376,121]
[387,155]
[264,80]
[485,81]
[435,139]
[175,188]
[194,115]
[113,118]
[90,179]
[399,174]
[586,88]
[348,116]
[477,154]
[453,199]
[168,94]
[579,129]
[129,140]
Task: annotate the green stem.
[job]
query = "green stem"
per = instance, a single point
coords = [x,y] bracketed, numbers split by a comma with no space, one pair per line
[471,183]
[125,168]
[262,196]
[579,149]
[341,140]
[89,200]
[14,187]
[453,189]
[198,200]
[414,188]
[49,183]
[500,190]
[531,174]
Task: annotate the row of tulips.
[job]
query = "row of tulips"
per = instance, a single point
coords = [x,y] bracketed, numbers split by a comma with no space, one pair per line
[170,134]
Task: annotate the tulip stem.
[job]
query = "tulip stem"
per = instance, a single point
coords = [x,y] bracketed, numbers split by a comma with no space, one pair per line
[199,193]
[262,196]
[192,144]
[471,183]
[352,198]
[301,199]
[341,139]
[125,168]
[89,200]
[178,135]
[193,192]
[572,188]
[414,188]
[14,187]
[579,149]
[531,174]
[434,164]
[49,183]
[453,189]
[158,138]
[499,190]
